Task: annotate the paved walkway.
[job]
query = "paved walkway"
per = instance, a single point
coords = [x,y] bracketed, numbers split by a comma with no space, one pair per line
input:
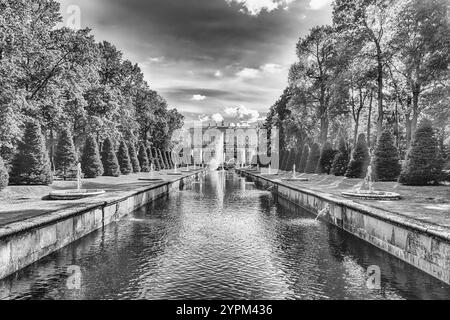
[18,203]
[429,204]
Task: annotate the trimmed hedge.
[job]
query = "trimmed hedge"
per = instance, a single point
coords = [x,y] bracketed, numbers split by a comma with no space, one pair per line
[360,160]
[31,165]
[386,162]
[123,157]
[109,160]
[91,164]
[341,159]
[134,159]
[143,159]
[313,159]
[326,159]
[424,162]
[65,156]
[304,159]
[4,177]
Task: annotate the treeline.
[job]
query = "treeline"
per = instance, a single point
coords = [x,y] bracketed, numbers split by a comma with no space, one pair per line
[65,82]
[381,67]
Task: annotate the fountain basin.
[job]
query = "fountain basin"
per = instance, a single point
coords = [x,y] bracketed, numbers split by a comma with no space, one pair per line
[372,195]
[75,194]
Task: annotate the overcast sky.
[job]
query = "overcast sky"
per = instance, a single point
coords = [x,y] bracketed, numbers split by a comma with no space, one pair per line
[210,59]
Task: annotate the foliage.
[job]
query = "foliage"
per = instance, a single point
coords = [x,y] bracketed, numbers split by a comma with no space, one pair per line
[91,163]
[123,157]
[304,159]
[134,159]
[109,159]
[360,159]
[66,156]
[31,164]
[326,159]
[4,177]
[313,158]
[424,162]
[341,159]
[386,163]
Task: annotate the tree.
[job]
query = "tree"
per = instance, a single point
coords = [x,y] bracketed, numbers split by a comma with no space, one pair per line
[357,168]
[386,163]
[313,72]
[420,47]
[91,163]
[4,177]
[424,162]
[109,160]
[326,158]
[341,160]
[143,159]
[124,159]
[290,161]
[313,159]
[134,159]
[367,19]
[31,164]
[304,160]
[66,156]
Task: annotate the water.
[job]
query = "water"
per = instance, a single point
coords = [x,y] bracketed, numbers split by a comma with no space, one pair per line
[221,238]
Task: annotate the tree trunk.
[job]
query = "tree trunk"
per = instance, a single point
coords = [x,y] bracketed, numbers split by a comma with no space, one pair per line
[380,89]
[415,109]
[408,124]
[369,121]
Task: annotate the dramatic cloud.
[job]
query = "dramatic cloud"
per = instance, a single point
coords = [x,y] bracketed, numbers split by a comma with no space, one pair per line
[319,4]
[242,113]
[217,117]
[198,97]
[254,7]
[203,118]
[190,49]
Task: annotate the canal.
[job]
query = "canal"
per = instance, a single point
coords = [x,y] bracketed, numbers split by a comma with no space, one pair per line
[220,238]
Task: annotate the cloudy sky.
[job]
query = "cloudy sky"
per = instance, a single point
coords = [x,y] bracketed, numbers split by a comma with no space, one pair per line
[211,59]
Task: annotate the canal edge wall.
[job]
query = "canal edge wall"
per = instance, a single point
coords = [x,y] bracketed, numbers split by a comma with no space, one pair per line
[424,246]
[25,242]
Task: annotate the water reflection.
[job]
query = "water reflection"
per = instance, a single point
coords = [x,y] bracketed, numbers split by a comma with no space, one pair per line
[221,238]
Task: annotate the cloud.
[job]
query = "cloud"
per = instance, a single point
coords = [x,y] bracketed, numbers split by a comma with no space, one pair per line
[254,7]
[203,118]
[319,4]
[249,73]
[272,68]
[218,74]
[156,59]
[198,97]
[242,112]
[217,117]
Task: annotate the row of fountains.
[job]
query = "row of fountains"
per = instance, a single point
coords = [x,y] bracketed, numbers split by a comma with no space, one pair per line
[363,191]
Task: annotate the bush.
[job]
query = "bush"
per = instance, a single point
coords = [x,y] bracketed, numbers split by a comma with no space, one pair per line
[109,160]
[31,164]
[290,161]
[341,159]
[298,159]
[357,168]
[143,159]
[65,156]
[124,159]
[283,159]
[134,159]
[386,163]
[424,162]
[313,159]
[304,159]
[4,177]
[91,163]
[326,159]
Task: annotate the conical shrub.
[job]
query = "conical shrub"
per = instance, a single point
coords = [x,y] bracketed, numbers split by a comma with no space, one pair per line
[386,162]
[143,159]
[360,159]
[109,160]
[65,156]
[424,162]
[341,160]
[4,177]
[91,164]
[304,159]
[326,159]
[133,158]
[124,159]
[313,159]
[31,164]
[298,158]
